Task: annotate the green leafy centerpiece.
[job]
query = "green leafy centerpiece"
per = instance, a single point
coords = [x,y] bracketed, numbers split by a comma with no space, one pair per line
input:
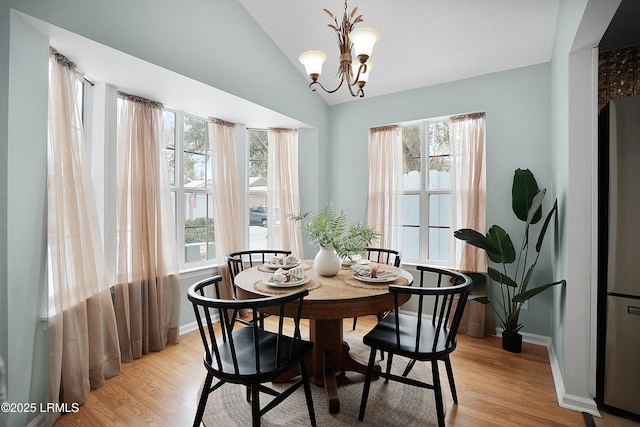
[328,231]
[515,289]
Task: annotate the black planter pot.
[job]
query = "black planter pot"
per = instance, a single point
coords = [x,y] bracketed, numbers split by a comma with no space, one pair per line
[512,343]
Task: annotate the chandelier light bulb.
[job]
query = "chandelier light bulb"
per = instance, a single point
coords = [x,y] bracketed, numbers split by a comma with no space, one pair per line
[312,61]
[363,40]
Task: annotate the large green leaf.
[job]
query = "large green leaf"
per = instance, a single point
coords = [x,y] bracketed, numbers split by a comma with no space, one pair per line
[476,239]
[506,253]
[527,277]
[536,205]
[547,220]
[501,278]
[524,296]
[523,191]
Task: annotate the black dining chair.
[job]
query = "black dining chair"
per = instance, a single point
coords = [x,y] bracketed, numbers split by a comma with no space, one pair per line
[381,256]
[249,355]
[238,261]
[418,338]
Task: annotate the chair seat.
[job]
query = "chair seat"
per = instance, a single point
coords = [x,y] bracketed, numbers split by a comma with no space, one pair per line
[427,338]
[383,337]
[251,355]
[245,353]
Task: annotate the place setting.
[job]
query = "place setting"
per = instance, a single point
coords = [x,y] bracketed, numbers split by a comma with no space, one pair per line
[286,262]
[371,276]
[353,259]
[288,275]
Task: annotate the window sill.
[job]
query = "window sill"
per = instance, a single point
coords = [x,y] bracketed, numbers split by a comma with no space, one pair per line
[200,270]
[411,265]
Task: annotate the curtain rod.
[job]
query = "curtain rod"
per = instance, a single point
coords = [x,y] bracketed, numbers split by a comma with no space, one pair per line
[66,62]
[136,98]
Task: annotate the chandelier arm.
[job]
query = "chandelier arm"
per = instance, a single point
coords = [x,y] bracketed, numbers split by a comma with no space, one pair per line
[350,84]
[315,82]
[358,93]
[361,69]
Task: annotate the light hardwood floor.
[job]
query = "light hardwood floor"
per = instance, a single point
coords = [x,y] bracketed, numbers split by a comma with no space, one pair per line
[495,388]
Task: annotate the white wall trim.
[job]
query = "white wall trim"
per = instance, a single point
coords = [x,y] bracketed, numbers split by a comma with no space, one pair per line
[189,327]
[565,400]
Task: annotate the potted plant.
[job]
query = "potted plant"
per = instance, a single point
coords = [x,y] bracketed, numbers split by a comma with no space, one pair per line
[328,231]
[514,287]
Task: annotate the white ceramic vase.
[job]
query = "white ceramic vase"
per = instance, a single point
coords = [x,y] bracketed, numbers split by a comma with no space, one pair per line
[327,262]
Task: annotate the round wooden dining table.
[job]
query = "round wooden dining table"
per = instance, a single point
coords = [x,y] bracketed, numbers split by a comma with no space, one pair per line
[330,300]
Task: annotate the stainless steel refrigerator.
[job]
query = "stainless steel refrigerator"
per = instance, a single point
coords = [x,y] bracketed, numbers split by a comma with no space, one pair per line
[619,246]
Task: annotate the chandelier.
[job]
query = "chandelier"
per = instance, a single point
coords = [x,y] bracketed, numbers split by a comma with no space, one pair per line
[360,41]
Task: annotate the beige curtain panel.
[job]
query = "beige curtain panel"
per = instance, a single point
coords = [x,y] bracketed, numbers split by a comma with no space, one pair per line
[384,209]
[229,220]
[468,189]
[81,333]
[468,210]
[283,195]
[147,293]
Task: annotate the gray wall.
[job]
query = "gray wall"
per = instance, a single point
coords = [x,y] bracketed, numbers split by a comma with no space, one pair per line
[26,217]
[568,20]
[516,103]
[581,24]
[4,183]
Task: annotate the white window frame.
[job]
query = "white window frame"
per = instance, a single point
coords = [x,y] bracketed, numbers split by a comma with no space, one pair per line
[179,194]
[249,193]
[424,192]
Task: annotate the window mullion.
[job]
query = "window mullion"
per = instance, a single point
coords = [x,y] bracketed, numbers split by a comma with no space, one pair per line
[424,195]
[179,180]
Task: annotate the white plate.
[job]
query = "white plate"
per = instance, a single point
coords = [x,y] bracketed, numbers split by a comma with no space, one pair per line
[284,267]
[389,278]
[360,262]
[289,284]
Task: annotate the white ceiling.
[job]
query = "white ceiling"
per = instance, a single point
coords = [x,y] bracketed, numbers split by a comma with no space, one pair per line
[423,42]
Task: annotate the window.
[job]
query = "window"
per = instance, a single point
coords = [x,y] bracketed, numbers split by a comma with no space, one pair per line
[190,174]
[426,190]
[258,153]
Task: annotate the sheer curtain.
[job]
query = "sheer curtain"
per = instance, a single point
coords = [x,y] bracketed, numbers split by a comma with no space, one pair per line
[468,209]
[468,189]
[384,211]
[147,293]
[81,332]
[229,221]
[283,195]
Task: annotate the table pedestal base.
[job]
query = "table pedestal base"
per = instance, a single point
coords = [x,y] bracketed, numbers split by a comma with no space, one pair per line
[331,359]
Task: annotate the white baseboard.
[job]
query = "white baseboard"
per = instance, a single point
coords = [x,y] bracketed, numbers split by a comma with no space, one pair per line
[565,400]
[189,327]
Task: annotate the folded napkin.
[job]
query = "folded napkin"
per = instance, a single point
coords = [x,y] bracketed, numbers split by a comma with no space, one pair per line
[282,276]
[291,260]
[372,272]
[286,261]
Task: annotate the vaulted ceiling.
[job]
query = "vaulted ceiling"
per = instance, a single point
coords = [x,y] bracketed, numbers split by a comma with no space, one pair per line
[423,42]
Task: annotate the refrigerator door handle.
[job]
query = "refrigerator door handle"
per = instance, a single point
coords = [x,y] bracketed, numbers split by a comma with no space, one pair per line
[633,310]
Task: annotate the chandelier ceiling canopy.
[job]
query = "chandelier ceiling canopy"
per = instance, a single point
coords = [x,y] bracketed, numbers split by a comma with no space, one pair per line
[351,41]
